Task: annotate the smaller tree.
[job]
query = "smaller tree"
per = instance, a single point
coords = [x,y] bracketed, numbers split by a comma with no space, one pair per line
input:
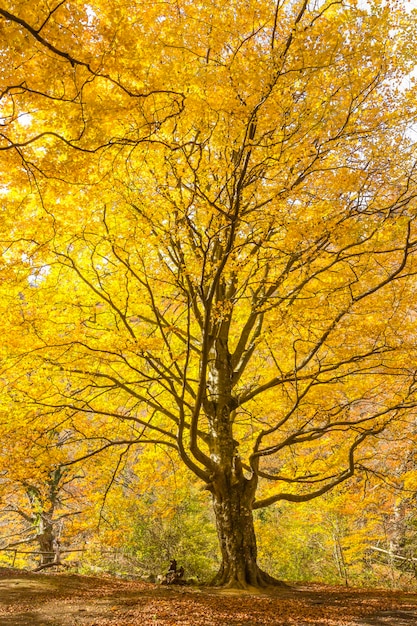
[39,493]
[40,524]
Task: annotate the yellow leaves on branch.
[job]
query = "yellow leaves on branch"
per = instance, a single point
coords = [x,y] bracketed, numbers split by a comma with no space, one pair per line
[201,193]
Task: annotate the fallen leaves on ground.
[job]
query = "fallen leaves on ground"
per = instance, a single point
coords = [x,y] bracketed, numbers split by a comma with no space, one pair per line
[72,600]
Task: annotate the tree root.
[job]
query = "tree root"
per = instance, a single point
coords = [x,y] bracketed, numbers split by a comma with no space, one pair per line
[260,580]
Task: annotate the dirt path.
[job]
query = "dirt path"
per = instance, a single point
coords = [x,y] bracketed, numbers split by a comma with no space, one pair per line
[69,600]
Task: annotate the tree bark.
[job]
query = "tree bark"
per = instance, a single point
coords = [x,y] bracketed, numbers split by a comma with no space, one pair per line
[237,542]
[233,492]
[235,528]
[47,543]
[233,497]
[42,518]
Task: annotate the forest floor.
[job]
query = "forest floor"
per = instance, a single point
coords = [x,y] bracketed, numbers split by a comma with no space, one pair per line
[28,599]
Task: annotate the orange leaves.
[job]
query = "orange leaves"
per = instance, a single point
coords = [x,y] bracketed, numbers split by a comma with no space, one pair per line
[112,602]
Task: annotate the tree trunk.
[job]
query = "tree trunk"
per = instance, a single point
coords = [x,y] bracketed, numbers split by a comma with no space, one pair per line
[232,503]
[233,493]
[47,543]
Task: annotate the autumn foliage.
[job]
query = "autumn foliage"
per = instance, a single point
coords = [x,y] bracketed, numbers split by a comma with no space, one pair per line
[209,242]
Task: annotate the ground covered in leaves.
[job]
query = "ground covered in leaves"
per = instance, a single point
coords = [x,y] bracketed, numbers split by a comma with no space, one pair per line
[28,599]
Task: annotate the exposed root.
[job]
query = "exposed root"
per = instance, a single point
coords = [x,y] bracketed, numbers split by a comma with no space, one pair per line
[267,580]
[259,580]
[46,565]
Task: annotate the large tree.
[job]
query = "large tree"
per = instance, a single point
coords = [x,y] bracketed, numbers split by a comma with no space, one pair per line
[216,237]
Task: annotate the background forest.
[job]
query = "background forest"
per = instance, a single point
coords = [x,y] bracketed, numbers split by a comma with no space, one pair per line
[130,516]
[208,246]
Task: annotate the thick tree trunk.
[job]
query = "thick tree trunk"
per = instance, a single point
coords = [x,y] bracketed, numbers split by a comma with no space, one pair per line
[237,542]
[232,503]
[233,492]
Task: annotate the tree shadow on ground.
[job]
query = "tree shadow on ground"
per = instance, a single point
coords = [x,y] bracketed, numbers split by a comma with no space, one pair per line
[391,618]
